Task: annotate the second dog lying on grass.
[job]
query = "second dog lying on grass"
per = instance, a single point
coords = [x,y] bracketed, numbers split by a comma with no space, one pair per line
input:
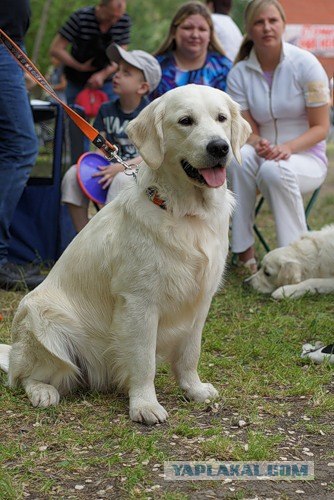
[305,266]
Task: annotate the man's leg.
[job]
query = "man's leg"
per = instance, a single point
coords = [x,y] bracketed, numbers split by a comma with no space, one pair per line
[18,152]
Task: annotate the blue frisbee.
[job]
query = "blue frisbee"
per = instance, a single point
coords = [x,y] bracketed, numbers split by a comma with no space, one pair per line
[88,164]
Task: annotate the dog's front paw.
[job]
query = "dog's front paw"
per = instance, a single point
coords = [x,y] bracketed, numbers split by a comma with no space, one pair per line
[43,395]
[202,392]
[148,413]
[285,292]
[278,294]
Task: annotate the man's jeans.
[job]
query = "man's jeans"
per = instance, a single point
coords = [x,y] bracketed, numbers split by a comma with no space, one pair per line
[18,142]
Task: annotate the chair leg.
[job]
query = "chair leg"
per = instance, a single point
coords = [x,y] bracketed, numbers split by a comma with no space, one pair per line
[256,229]
[310,204]
[259,205]
[261,238]
[308,208]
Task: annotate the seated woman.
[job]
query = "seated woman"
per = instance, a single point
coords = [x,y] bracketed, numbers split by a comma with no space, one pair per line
[284,94]
[191,52]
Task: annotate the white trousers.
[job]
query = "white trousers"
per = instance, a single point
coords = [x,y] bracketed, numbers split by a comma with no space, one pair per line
[282,184]
[71,191]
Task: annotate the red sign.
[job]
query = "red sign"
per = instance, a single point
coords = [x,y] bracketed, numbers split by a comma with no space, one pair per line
[317,38]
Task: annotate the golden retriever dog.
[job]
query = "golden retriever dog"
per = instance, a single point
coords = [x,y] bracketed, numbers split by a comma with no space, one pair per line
[305,266]
[136,283]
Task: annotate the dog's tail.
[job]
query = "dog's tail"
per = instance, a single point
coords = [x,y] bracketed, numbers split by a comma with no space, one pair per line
[4,357]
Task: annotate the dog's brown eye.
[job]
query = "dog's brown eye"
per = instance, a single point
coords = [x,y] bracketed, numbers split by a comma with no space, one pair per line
[266,273]
[221,117]
[186,121]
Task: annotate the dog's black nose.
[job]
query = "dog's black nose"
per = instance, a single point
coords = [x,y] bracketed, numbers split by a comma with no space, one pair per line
[218,148]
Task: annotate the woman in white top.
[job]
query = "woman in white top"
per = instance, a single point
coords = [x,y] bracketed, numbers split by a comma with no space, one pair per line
[284,94]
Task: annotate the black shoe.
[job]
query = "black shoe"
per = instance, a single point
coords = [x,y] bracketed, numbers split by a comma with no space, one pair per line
[12,277]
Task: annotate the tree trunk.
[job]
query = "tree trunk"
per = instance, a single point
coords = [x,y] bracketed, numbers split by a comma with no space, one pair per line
[41,31]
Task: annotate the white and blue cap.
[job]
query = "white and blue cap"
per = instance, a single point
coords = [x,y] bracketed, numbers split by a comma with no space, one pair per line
[139,59]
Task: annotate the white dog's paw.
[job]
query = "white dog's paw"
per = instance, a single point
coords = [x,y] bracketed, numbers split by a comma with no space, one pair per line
[278,294]
[286,291]
[202,392]
[43,395]
[148,413]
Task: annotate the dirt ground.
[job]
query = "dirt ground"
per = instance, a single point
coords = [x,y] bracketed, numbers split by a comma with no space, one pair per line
[296,446]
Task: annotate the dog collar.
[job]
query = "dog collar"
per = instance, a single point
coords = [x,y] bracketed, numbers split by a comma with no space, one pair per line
[153,195]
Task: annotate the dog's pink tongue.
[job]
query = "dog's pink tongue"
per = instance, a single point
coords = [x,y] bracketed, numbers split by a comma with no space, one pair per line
[214,177]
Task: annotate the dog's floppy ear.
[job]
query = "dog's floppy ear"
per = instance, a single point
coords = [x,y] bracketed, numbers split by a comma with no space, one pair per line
[146,133]
[289,273]
[240,129]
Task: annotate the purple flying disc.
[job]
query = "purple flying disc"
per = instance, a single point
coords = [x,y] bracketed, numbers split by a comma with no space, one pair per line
[88,164]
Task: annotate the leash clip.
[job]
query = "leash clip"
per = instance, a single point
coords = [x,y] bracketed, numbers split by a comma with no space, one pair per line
[110,151]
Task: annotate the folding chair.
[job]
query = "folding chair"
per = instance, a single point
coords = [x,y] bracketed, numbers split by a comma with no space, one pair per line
[258,207]
[40,231]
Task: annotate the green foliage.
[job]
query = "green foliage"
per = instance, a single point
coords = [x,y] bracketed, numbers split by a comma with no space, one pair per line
[151,22]
[7,489]
[237,12]
[150,19]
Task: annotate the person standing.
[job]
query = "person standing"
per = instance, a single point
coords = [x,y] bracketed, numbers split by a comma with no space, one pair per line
[283,92]
[226,29]
[89,31]
[18,141]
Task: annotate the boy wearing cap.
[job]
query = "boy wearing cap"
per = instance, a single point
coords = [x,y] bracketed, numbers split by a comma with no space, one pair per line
[137,75]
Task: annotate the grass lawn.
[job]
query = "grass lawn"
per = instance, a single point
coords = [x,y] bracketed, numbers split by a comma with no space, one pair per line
[273,406]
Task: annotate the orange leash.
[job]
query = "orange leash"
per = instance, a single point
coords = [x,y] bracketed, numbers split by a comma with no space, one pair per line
[109,150]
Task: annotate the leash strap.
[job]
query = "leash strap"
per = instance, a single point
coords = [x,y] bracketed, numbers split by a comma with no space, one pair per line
[109,150]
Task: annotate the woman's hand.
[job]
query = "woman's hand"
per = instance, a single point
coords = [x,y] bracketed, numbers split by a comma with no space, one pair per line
[279,152]
[263,147]
[272,152]
[107,174]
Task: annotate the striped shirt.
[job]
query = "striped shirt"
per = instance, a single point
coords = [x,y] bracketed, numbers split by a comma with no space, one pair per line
[82,30]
